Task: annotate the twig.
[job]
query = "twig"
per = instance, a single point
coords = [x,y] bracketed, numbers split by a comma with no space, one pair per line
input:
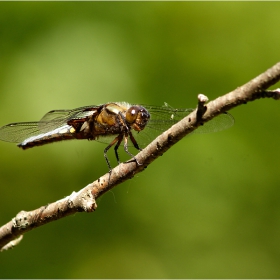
[12,244]
[84,200]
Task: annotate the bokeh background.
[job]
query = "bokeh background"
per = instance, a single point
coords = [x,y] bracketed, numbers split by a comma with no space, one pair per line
[210,206]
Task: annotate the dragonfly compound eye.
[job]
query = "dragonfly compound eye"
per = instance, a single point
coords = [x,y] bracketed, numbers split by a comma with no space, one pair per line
[137,117]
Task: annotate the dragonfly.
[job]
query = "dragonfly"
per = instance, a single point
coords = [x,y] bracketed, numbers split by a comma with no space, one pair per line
[112,123]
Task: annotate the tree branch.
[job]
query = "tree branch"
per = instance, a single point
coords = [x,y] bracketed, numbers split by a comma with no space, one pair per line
[84,200]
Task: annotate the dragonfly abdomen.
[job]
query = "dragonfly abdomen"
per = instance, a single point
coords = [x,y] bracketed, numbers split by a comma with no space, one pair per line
[63,133]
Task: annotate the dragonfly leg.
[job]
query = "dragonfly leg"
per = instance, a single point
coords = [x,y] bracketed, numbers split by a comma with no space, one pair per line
[107,149]
[135,145]
[120,138]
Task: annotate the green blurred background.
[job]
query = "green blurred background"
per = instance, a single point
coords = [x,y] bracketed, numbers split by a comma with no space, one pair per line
[209,208]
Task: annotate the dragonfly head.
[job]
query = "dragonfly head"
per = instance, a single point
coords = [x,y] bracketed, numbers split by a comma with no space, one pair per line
[137,117]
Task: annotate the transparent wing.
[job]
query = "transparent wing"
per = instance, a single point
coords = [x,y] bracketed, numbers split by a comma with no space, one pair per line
[17,132]
[57,118]
[164,117]
[63,115]
[219,123]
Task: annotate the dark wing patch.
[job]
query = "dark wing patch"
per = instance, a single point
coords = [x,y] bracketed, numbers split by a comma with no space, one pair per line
[56,118]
